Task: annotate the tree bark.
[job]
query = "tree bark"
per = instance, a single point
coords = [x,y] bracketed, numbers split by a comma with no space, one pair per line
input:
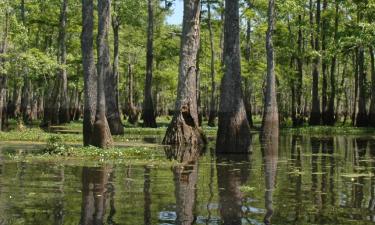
[89,71]
[324,67]
[356,75]
[234,130]
[315,114]
[248,88]
[132,110]
[3,76]
[64,116]
[361,118]
[372,106]
[111,85]
[213,111]
[184,128]
[270,123]
[102,133]
[148,105]
[298,88]
[330,115]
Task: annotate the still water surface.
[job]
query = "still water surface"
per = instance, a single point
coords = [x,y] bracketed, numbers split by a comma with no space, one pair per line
[301,180]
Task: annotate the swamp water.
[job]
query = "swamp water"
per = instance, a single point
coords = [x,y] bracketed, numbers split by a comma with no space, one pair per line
[301,180]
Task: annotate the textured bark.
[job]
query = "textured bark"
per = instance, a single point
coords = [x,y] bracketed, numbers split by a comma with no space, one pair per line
[324,67]
[315,114]
[184,127]
[102,134]
[26,99]
[3,76]
[299,86]
[89,71]
[212,108]
[230,177]
[372,105]
[248,86]
[16,102]
[64,116]
[234,131]
[132,110]
[330,115]
[148,105]
[111,84]
[356,75]
[270,122]
[361,118]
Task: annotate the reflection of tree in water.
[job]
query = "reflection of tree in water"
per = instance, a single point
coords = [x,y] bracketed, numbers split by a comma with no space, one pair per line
[297,178]
[232,172]
[358,183]
[270,149]
[147,196]
[372,190]
[185,177]
[94,191]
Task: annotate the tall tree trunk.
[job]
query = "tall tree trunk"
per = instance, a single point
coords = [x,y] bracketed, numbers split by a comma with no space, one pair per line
[315,114]
[111,85]
[148,105]
[16,102]
[26,99]
[356,74]
[3,76]
[324,66]
[372,106]
[248,88]
[64,116]
[361,118]
[299,111]
[89,71]
[330,115]
[102,133]
[212,108]
[132,110]
[234,130]
[270,123]
[184,128]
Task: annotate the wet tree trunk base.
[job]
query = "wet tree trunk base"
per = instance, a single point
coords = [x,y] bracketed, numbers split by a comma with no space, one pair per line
[115,125]
[102,134]
[233,134]
[314,119]
[133,115]
[183,131]
[211,119]
[149,119]
[362,120]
